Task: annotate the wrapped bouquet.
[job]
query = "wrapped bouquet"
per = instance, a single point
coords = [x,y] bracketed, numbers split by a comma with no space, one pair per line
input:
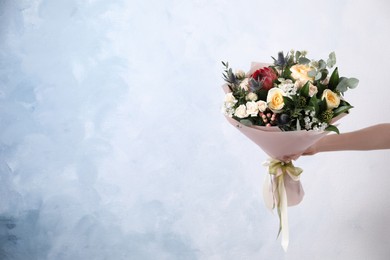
[286,107]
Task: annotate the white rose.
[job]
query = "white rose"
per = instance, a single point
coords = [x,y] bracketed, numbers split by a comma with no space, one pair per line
[262,105]
[251,96]
[331,98]
[299,72]
[241,111]
[244,84]
[252,108]
[240,74]
[230,100]
[275,99]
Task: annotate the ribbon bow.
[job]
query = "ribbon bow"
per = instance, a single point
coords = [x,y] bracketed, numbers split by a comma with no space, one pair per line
[275,186]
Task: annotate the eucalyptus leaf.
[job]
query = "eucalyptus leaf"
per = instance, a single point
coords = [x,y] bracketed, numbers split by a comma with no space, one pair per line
[331,60]
[353,82]
[318,76]
[297,55]
[321,65]
[303,60]
[246,122]
[312,73]
[343,85]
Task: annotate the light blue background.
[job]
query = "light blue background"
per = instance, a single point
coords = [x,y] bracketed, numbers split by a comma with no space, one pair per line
[113,146]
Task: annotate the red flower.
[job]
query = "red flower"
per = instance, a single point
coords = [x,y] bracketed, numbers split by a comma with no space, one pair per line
[266,76]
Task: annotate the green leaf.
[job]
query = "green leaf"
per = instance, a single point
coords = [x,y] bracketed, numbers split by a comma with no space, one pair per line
[288,102]
[344,103]
[334,79]
[331,60]
[262,94]
[246,122]
[303,60]
[341,109]
[286,73]
[313,102]
[322,106]
[304,91]
[332,128]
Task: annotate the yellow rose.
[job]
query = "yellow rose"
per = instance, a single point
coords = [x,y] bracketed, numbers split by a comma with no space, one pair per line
[275,99]
[331,98]
[299,73]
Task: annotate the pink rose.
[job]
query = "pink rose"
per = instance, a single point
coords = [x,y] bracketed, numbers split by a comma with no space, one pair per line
[266,76]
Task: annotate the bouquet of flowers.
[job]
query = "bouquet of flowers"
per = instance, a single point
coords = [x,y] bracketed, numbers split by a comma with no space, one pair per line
[286,107]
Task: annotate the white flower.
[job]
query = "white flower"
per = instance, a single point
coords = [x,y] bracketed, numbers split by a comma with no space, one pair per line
[288,87]
[241,111]
[227,111]
[244,84]
[240,74]
[251,96]
[230,100]
[228,106]
[252,108]
[262,105]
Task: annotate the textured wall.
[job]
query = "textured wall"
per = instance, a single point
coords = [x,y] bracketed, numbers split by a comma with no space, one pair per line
[112,145]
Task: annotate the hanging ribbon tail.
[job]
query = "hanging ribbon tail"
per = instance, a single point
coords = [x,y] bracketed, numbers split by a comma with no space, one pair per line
[268,194]
[274,193]
[282,212]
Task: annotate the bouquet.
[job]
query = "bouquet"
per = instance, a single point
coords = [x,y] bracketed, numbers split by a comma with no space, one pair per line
[286,107]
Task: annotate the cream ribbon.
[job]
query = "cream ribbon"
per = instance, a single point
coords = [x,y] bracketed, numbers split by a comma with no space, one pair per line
[274,192]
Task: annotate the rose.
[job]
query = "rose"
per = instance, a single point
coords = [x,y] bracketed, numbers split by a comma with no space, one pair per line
[262,105]
[251,96]
[230,100]
[266,76]
[244,84]
[275,99]
[312,90]
[241,111]
[240,74]
[252,108]
[332,99]
[299,72]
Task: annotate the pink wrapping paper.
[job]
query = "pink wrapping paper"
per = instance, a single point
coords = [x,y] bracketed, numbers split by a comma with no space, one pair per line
[282,146]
